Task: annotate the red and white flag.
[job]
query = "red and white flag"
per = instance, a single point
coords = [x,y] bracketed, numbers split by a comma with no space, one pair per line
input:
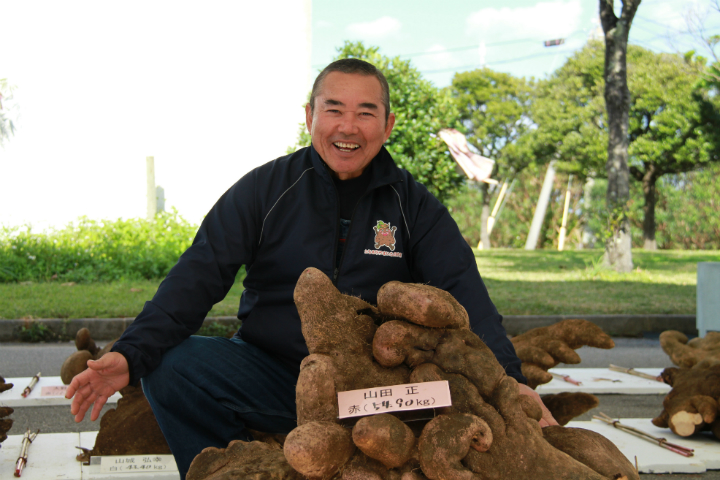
[475,166]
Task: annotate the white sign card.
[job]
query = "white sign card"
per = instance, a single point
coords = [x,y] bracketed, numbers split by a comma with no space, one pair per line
[137,464]
[395,398]
[53,391]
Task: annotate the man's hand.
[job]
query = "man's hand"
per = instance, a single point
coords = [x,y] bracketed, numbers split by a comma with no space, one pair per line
[95,385]
[547,418]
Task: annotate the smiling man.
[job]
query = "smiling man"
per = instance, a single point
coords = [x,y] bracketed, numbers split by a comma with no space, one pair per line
[340,205]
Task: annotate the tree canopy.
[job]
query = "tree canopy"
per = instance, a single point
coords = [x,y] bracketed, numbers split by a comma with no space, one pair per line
[421,110]
[673,118]
[494,109]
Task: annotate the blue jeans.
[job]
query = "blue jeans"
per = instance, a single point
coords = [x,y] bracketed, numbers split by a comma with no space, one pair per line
[208,391]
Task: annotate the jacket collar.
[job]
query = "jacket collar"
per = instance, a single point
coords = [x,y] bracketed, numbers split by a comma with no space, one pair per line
[383,170]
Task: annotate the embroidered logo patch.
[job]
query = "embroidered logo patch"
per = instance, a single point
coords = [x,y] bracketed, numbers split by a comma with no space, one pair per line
[384,235]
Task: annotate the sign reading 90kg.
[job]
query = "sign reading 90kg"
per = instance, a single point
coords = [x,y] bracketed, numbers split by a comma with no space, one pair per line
[394,398]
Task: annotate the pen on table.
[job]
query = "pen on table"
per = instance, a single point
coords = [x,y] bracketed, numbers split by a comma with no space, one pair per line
[23,458]
[566,378]
[31,385]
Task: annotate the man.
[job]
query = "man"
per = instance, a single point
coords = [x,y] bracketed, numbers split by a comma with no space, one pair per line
[341,206]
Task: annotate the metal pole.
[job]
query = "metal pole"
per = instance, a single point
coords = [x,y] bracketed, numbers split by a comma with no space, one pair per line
[542,204]
[151,193]
[563,225]
[498,202]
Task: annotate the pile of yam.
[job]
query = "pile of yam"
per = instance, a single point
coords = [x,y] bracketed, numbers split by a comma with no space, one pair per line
[416,333]
[693,404]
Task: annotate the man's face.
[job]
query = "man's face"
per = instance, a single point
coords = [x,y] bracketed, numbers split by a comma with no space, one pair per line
[348,126]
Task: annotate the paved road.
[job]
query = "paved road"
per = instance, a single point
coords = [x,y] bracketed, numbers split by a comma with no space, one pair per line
[25,360]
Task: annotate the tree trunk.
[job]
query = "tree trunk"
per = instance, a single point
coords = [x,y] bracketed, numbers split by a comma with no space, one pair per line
[484,234]
[618,253]
[649,191]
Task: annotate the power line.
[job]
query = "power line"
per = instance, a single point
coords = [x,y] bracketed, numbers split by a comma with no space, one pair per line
[470,47]
[499,62]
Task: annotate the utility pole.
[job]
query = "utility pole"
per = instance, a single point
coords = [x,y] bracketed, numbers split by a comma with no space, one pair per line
[541,208]
[151,191]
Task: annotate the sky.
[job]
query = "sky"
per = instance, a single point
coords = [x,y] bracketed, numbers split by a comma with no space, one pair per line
[209,89]
[442,38]
[214,89]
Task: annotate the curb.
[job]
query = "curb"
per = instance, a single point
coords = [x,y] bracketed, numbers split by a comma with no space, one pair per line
[614,325]
[101,328]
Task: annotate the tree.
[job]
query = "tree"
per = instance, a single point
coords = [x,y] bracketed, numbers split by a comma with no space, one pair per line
[673,124]
[7,128]
[673,119]
[421,110]
[494,111]
[618,251]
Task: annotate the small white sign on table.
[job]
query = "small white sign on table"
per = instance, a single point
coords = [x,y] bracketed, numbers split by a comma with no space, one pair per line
[394,398]
[135,463]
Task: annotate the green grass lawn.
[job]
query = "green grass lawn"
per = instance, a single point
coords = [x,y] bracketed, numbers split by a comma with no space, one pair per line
[574,282]
[520,283]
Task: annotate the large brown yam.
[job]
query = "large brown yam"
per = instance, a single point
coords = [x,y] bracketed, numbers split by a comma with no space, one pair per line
[4,386]
[518,449]
[567,405]
[362,467]
[591,449]
[242,460]
[334,325]
[384,438]
[74,364]
[83,341]
[315,393]
[446,440]
[318,449]
[397,342]
[130,429]
[703,352]
[454,351]
[422,305]
[692,403]
[87,350]
[543,348]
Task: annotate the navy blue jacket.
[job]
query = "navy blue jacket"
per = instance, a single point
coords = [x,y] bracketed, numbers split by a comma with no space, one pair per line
[283,217]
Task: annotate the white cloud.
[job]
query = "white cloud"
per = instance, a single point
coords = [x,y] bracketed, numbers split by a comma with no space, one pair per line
[672,16]
[381,28]
[544,20]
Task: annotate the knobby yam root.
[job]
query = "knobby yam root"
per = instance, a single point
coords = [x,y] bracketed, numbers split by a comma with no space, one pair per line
[131,428]
[519,450]
[384,438]
[693,404]
[591,449]
[4,386]
[422,305]
[87,350]
[543,348]
[319,449]
[700,352]
[447,439]
[5,423]
[246,460]
[567,405]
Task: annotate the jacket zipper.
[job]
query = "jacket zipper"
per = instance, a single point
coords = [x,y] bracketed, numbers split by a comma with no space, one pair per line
[342,257]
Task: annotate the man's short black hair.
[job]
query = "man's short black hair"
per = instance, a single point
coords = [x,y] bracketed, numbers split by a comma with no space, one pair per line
[353,65]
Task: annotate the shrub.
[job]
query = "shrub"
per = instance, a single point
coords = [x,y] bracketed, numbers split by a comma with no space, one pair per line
[91,251]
